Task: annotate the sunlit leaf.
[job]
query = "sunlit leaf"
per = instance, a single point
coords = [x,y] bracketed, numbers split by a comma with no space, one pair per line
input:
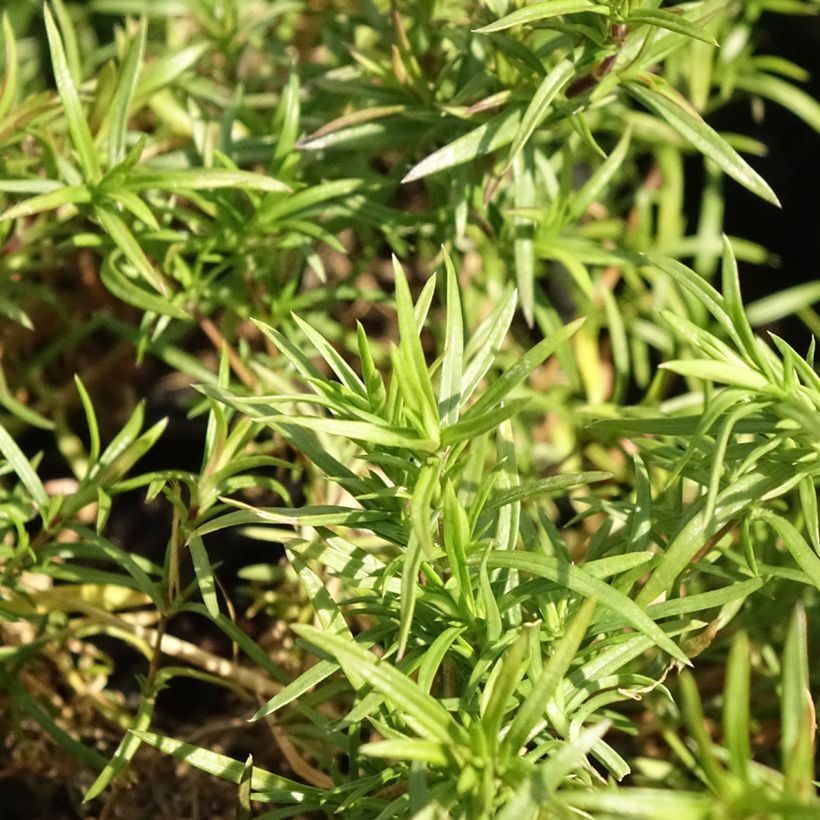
[663,100]
[535,12]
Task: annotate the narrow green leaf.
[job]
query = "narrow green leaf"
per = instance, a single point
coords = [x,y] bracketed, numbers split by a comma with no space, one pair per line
[376,393]
[23,469]
[647,804]
[538,788]
[327,611]
[549,88]
[670,21]
[425,751]
[485,139]
[580,202]
[204,574]
[544,486]
[536,12]
[793,99]
[100,546]
[167,67]
[808,374]
[695,532]
[297,358]
[11,68]
[124,95]
[17,408]
[287,119]
[421,505]
[122,237]
[508,520]
[14,312]
[128,747]
[485,343]
[279,207]
[525,195]
[75,118]
[114,471]
[503,683]
[617,564]
[204,179]
[336,362]
[770,309]
[435,654]
[257,655]
[313,516]
[808,504]
[720,372]
[533,708]
[304,683]
[456,544]
[68,195]
[522,368]
[363,431]
[449,398]
[226,768]
[698,287]
[416,386]
[134,205]
[733,301]
[697,603]
[581,582]
[696,723]
[423,713]
[411,561]
[123,288]
[797,718]
[124,438]
[709,344]
[43,718]
[802,553]
[658,96]
[580,125]
[736,707]
[487,601]
[91,420]
[473,425]
[343,558]
[619,340]
[315,140]
[34,709]
[724,434]
[69,36]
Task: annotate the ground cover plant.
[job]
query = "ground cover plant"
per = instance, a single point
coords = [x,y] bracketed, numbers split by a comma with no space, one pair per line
[383,432]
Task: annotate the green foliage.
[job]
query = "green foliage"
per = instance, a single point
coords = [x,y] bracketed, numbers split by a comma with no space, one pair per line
[499,576]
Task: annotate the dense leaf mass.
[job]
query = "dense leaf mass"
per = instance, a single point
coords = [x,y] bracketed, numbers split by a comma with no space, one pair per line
[383,367]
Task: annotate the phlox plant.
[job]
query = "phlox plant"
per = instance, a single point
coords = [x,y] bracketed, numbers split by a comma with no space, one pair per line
[462,362]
